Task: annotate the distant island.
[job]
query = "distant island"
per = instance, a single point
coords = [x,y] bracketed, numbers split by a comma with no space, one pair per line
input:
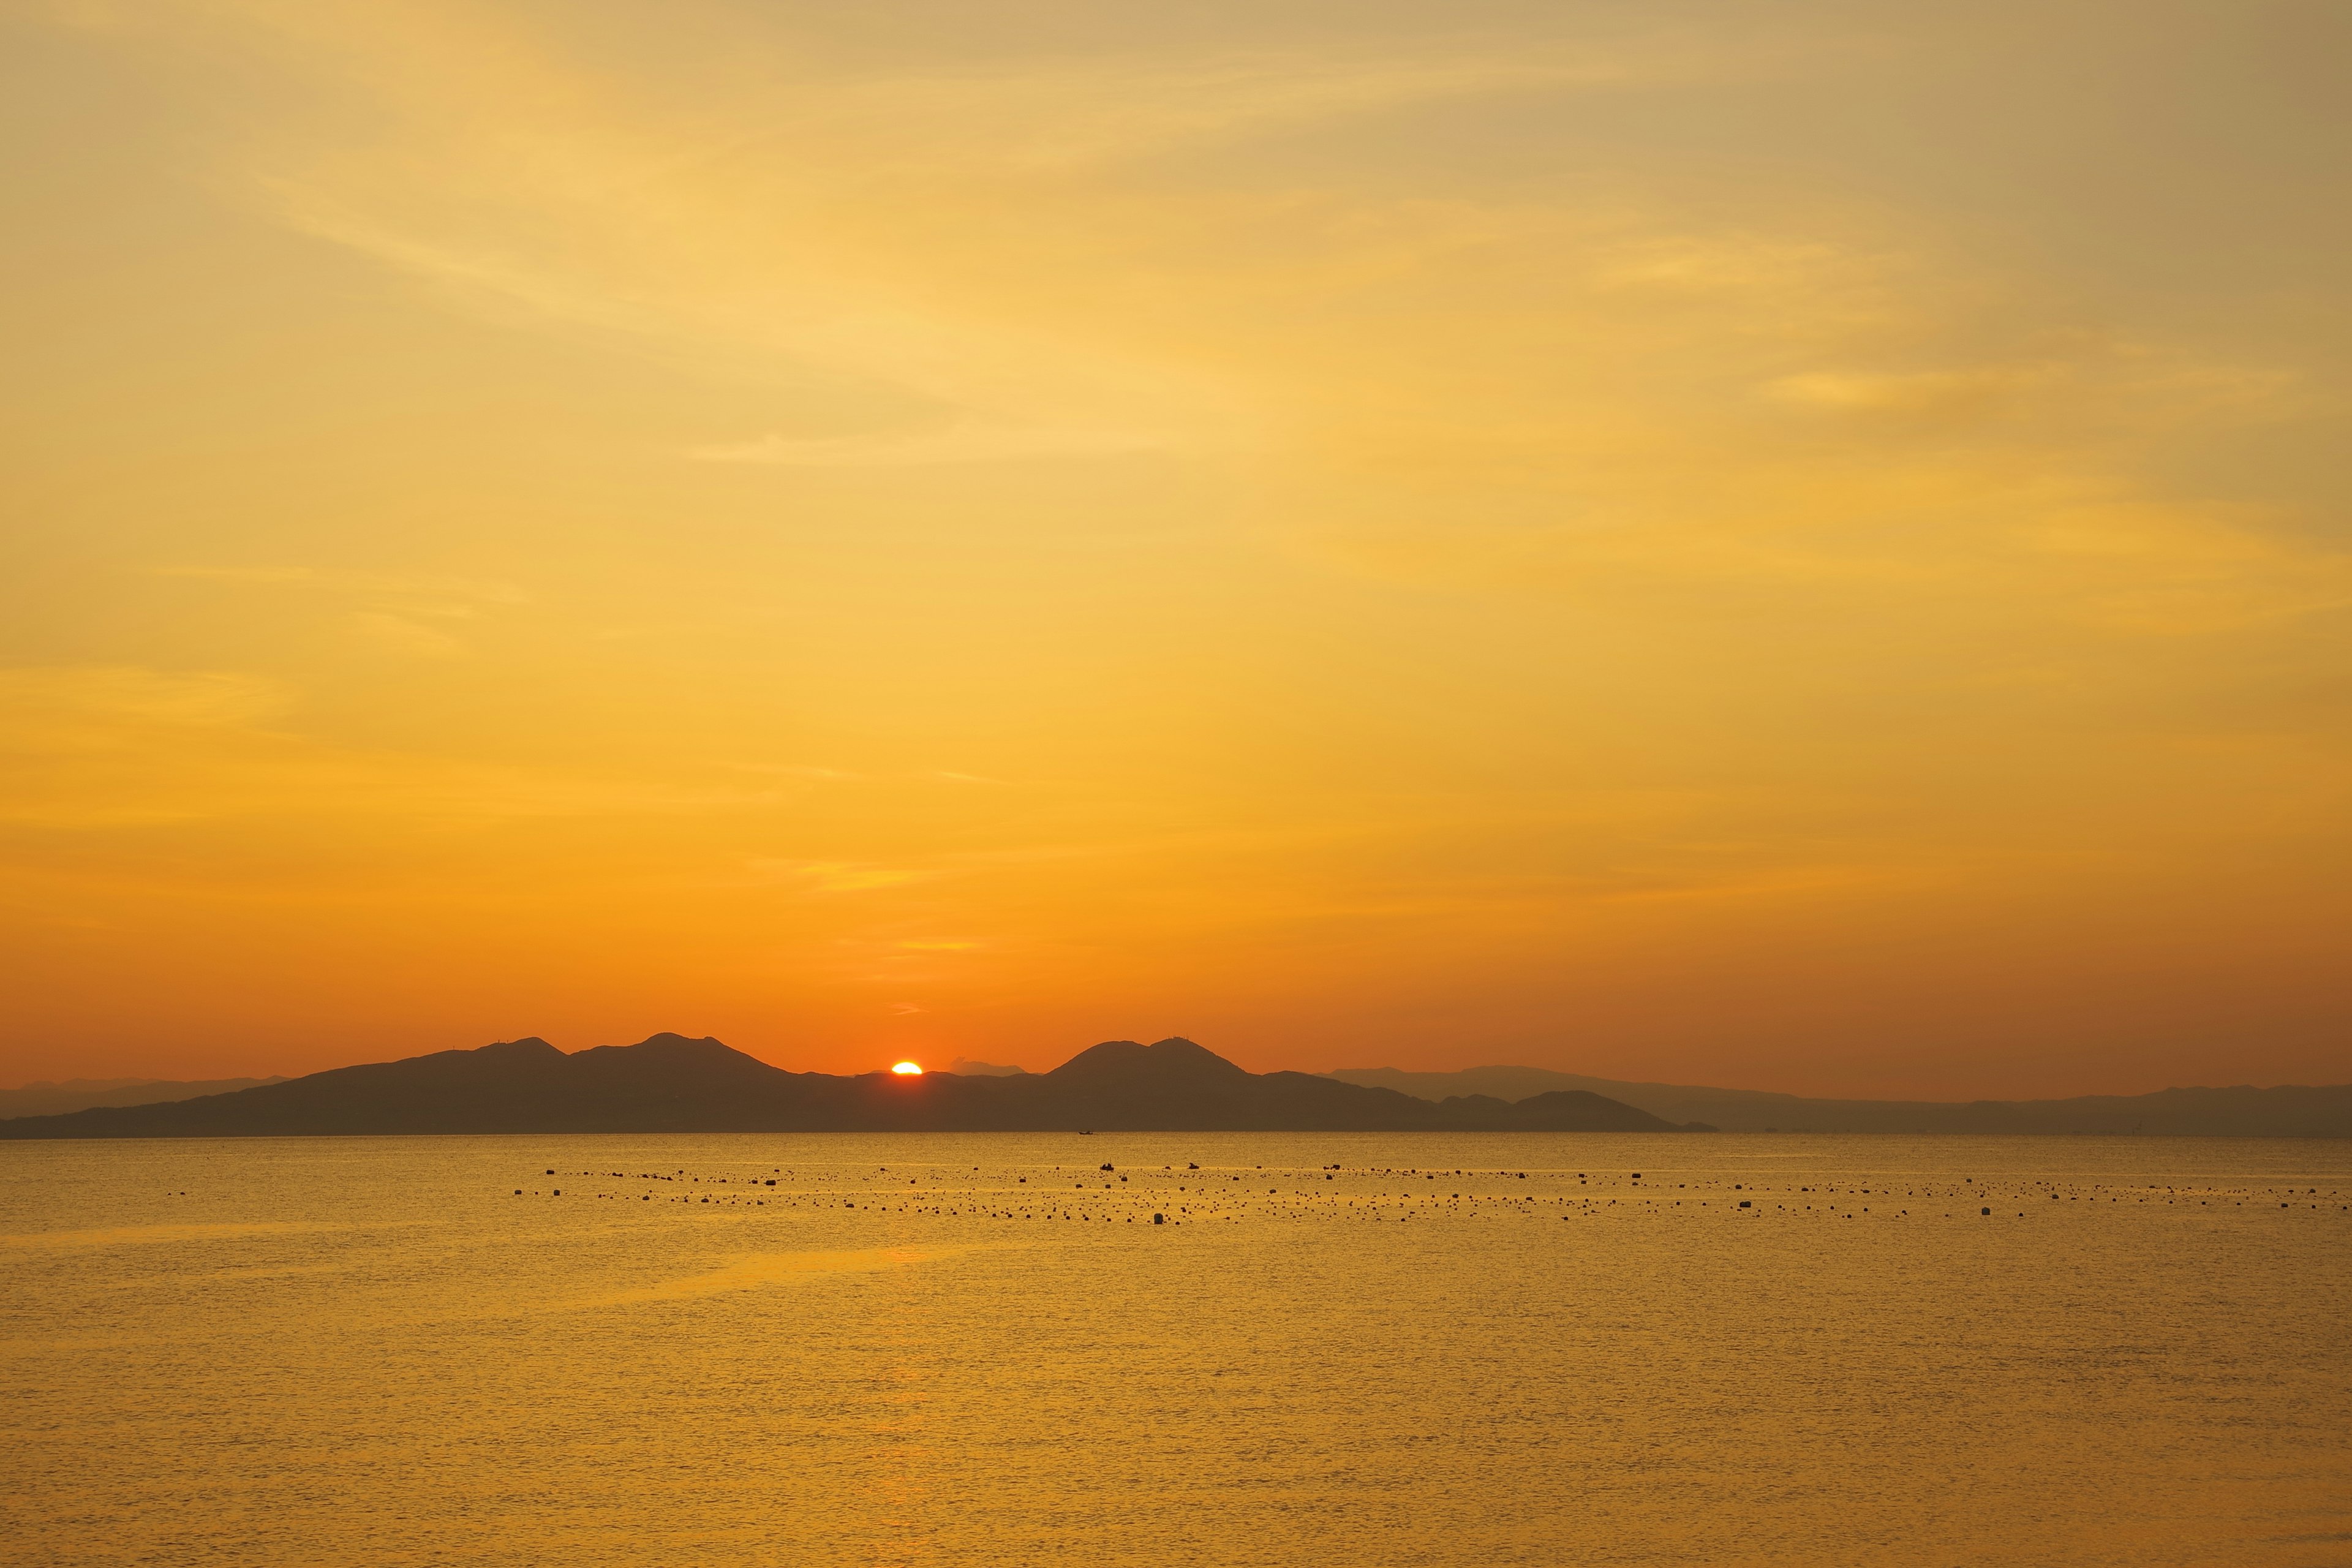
[2287,1112]
[672,1084]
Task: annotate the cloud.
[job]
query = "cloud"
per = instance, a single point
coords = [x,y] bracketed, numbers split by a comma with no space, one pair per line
[401,633]
[105,746]
[1086,113]
[1940,396]
[683,280]
[405,606]
[839,876]
[797,771]
[411,587]
[240,574]
[967,442]
[94,704]
[1048,261]
[840,222]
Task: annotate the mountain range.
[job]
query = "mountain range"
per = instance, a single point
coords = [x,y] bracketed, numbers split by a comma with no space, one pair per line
[669,1083]
[672,1084]
[2288,1111]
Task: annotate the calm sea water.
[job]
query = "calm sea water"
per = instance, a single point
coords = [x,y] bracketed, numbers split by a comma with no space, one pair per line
[979,1349]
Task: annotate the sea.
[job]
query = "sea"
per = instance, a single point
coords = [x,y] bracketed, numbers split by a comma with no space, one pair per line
[1311,1351]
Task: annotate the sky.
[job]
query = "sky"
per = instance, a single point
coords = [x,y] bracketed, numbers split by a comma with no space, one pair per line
[1797,546]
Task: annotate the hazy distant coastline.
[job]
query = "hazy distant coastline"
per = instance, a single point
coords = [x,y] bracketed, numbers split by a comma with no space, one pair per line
[2287,1112]
[44,1098]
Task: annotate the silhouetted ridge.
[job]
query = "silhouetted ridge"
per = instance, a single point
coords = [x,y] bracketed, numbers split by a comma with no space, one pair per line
[674,1046]
[669,1083]
[1171,1061]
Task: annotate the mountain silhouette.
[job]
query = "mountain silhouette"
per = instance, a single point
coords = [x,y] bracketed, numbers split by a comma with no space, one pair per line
[672,1084]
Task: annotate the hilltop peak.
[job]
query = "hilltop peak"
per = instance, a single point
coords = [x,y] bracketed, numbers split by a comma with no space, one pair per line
[666,1042]
[1171,1060]
[676,1058]
[528,1045]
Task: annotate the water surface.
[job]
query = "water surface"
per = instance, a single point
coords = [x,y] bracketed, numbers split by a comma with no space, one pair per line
[1339,1349]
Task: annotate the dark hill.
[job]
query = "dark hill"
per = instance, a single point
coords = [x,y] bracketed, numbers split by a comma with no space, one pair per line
[671,1084]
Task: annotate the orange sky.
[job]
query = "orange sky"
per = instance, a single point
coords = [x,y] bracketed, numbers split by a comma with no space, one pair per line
[1799,547]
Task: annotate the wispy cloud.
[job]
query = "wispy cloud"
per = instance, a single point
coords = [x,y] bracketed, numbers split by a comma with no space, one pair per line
[838,876]
[72,703]
[240,574]
[404,614]
[1944,397]
[797,771]
[1089,112]
[962,443]
[339,580]
[100,746]
[403,634]
[810,228]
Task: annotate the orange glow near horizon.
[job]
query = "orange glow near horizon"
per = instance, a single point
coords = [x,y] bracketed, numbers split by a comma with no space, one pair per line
[1663,542]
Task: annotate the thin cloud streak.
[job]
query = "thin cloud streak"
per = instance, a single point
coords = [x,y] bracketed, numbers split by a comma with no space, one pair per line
[963,443]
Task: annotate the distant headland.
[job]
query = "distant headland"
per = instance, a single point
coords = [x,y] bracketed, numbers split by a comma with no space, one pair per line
[672,1084]
[2289,1110]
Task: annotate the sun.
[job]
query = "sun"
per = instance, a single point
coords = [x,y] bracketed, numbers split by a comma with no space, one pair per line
[908,1069]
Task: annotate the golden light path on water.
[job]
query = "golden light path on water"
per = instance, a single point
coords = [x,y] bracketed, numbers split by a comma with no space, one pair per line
[1339,1349]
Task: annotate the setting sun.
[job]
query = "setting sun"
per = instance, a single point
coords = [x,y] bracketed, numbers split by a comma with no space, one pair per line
[906,1069]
